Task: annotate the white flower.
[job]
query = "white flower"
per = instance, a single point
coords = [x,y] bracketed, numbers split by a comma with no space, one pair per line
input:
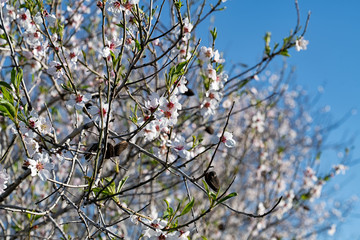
[44,125]
[79,100]
[32,38]
[208,107]
[32,67]
[228,140]
[170,107]
[214,95]
[153,129]
[73,55]
[40,166]
[332,230]
[98,113]
[115,7]
[218,84]
[4,177]
[32,146]
[51,19]
[40,49]
[258,122]
[37,18]
[10,13]
[24,18]
[184,53]
[301,44]
[153,102]
[157,224]
[181,86]
[187,30]
[129,43]
[206,53]
[55,69]
[309,178]
[340,168]
[178,235]
[211,72]
[217,58]
[181,147]
[105,52]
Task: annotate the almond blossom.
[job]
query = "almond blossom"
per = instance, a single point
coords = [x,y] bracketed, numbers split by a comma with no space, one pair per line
[258,122]
[301,44]
[40,166]
[99,114]
[55,69]
[181,147]
[78,101]
[208,107]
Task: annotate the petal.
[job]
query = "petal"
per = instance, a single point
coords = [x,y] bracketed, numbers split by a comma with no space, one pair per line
[230,143]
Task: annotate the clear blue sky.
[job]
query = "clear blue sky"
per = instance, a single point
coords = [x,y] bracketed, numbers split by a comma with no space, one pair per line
[332,61]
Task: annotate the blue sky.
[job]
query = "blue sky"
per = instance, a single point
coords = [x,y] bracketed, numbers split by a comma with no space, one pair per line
[331,61]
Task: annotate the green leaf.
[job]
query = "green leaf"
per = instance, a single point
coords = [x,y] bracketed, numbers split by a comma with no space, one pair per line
[305,196]
[206,187]
[169,211]
[213,34]
[275,46]
[231,195]
[8,109]
[5,84]
[19,78]
[213,196]
[188,207]
[137,45]
[267,38]
[180,66]
[206,83]
[121,183]
[280,150]
[327,177]
[285,53]
[84,55]
[13,76]
[178,5]
[244,82]
[7,95]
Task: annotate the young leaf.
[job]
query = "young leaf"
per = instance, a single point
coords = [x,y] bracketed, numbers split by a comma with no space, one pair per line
[231,195]
[187,208]
[5,84]
[8,109]
[121,183]
[7,95]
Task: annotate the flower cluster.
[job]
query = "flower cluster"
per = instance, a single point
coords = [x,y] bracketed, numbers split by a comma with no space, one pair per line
[214,80]
[156,232]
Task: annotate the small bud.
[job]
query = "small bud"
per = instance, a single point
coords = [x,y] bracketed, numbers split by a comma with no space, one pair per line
[209,130]
[221,226]
[212,180]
